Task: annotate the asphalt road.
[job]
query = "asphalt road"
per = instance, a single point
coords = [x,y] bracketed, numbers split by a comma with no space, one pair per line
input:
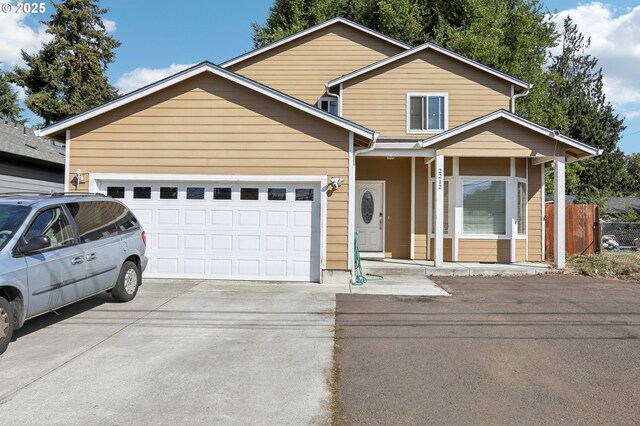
[501,350]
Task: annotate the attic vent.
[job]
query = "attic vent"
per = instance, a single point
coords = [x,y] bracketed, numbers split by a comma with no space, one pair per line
[31,146]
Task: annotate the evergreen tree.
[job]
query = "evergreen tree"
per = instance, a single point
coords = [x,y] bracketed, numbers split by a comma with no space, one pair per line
[9,107]
[576,88]
[67,76]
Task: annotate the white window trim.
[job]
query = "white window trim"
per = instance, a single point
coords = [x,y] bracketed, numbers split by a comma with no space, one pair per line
[424,94]
[329,99]
[526,207]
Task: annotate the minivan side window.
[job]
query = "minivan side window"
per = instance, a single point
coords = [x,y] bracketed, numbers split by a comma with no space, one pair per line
[125,220]
[54,224]
[94,219]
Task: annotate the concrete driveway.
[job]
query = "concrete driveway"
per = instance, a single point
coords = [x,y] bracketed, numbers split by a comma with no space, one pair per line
[183,352]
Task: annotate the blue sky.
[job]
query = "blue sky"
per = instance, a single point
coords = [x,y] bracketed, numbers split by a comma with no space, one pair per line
[161,37]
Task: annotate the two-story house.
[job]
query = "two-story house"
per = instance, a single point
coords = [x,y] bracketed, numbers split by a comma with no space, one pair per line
[267,166]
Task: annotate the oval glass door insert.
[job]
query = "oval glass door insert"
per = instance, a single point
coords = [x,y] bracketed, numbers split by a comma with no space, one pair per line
[366,207]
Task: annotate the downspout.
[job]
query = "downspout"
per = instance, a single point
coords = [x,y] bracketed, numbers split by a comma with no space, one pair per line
[518,95]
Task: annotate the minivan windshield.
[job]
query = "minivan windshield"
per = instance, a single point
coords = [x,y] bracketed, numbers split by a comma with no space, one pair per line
[11,218]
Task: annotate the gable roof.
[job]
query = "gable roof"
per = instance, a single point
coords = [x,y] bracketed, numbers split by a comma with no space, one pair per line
[200,68]
[17,140]
[553,134]
[437,48]
[310,30]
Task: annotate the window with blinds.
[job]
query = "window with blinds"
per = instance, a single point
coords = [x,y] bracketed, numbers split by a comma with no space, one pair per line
[484,207]
[522,208]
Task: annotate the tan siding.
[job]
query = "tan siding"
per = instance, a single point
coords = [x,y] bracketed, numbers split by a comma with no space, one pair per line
[498,138]
[448,167]
[521,250]
[378,99]
[397,176]
[472,250]
[447,247]
[420,240]
[302,67]
[470,166]
[207,125]
[535,223]
[521,167]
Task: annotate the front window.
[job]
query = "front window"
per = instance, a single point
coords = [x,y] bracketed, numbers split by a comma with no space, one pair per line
[328,104]
[11,218]
[484,207]
[446,207]
[427,113]
[522,208]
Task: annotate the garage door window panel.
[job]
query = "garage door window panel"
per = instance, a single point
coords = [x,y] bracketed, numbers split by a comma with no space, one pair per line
[304,194]
[195,193]
[221,193]
[277,194]
[142,192]
[168,192]
[249,194]
[115,191]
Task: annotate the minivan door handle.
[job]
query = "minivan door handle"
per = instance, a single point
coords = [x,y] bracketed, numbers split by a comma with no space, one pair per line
[77,260]
[91,256]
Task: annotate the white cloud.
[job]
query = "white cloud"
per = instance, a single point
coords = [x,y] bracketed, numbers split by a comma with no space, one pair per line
[615,41]
[16,35]
[109,25]
[140,77]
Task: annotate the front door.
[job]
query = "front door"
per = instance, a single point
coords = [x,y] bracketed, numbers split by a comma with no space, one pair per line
[370,215]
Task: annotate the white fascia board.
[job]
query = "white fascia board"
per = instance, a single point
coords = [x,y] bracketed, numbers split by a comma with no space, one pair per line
[214,69]
[309,30]
[437,48]
[515,119]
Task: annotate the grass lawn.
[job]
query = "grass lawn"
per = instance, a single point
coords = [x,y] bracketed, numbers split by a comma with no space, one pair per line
[622,264]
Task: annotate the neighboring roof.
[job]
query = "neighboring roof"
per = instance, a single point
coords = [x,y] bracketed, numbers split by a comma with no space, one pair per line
[311,30]
[420,48]
[18,140]
[553,134]
[221,72]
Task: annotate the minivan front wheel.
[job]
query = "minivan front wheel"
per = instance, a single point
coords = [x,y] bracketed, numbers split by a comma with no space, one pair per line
[128,282]
[6,324]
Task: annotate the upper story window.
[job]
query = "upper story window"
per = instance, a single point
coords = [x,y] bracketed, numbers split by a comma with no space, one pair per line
[427,112]
[328,104]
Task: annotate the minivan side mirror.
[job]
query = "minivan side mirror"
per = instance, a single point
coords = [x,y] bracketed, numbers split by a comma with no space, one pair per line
[36,243]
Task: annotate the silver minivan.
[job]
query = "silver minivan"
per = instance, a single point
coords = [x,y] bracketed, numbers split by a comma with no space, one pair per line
[56,249]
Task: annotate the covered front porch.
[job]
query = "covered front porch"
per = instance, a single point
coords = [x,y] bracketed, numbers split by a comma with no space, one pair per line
[463,199]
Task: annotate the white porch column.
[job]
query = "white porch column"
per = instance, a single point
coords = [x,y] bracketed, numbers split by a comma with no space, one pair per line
[559,211]
[439,234]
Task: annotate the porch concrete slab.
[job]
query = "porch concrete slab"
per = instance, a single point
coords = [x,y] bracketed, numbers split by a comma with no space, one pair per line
[402,267]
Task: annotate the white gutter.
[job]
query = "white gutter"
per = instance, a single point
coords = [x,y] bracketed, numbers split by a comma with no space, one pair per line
[518,95]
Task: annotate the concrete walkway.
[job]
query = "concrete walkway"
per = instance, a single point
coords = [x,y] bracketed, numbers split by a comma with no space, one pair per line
[404,267]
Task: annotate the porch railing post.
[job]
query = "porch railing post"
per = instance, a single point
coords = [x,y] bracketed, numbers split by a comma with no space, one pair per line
[439,215]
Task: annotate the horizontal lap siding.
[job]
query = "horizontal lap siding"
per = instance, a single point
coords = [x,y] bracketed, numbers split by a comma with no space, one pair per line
[498,138]
[207,125]
[472,250]
[302,67]
[378,99]
[535,222]
[521,250]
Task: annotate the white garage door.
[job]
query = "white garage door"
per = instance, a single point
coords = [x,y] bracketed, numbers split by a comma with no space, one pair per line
[248,231]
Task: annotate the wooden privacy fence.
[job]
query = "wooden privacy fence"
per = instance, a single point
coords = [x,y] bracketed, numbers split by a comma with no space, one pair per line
[582,230]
